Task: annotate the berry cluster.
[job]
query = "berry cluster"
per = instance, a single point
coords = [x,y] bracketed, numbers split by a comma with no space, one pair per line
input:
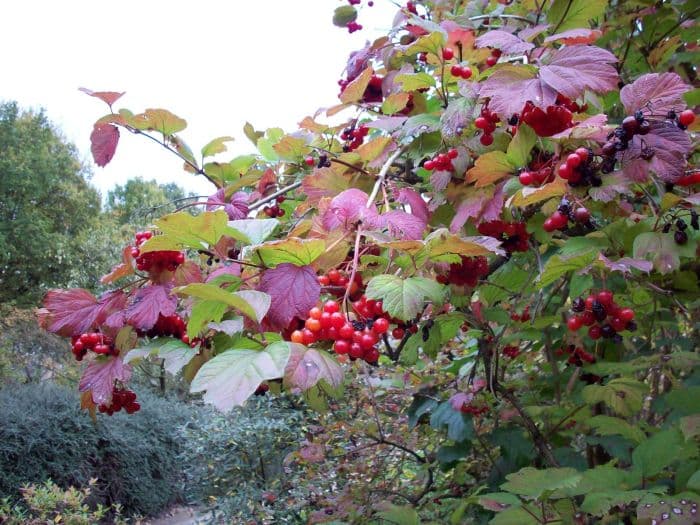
[95,341]
[262,389]
[522,317]
[574,169]
[513,235]
[602,315]
[537,177]
[620,137]
[569,104]
[511,352]
[121,398]
[493,59]
[577,355]
[356,338]
[466,273]
[339,282]
[461,71]
[353,26]
[442,161]
[546,123]
[275,210]
[373,92]
[559,220]
[680,236]
[487,123]
[166,326]
[353,137]
[155,261]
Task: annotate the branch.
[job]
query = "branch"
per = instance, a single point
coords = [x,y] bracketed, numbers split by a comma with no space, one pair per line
[382,176]
[273,196]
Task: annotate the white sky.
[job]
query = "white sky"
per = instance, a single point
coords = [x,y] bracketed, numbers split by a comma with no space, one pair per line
[215,63]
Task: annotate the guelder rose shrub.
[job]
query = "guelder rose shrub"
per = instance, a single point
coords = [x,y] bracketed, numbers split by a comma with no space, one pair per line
[496,254]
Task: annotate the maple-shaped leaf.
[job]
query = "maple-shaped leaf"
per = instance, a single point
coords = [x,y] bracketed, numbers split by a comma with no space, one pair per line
[572,70]
[251,303]
[294,290]
[299,252]
[404,225]
[103,143]
[615,184]
[489,168]
[108,97]
[668,146]
[160,120]
[75,310]
[231,377]
[512,86]
[654,93]
[307,366]
[236,207]
[99,377]
[404,298]
[576,36]
[347,208]
[531,32]
[148,303]
[187,273]
[123,269]
[323,182]
[216,146]
[419,208]
[506,42]
[660,248]
[182,230]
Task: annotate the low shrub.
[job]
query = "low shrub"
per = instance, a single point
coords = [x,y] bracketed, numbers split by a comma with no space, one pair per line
[44,435]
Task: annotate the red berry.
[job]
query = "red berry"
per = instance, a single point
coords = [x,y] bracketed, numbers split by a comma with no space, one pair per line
[573,161]
[313,325]
[429,165]
[618,324]
[486,139]
[380,326]
[346,331]
[323,280]
[574,323]
[565,171]
[466,73]
[367,340]
[605,297]
[594,332]
[356,351]
[582,214]
[334,276]
[588,318]
[372,355]
[549,226]
[325,320]
[331,307]
[481,122]
[315,313]
[491,61]
[309,161]
[559,219]
[337,320]
[496,53]
[452,154]
[297,337]
[447,53]
[589,302]
[456,70]
[526,178]
[308,337]
[626,314]
[686,118]
[341,346]
[397,333]
[582,153]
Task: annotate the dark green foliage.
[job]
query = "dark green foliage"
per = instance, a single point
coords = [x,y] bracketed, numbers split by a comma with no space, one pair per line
[44,434]
[139,201]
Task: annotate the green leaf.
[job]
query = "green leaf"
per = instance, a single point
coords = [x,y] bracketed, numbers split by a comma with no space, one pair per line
[600,503]
[662,450]
[558,266]
[415,81]
[517,516]
[432,43]
[231,377]
[400,515]
[533,483]
[174,352]
[459,426]
[623,395]
[508,276]
[216,146]
[254,231]
[204,312]
[448,454]
[299,252]
[660,249]
[420,405]
[572,14]
[182,230]
[160,120]
[404,298]
[520,147]
[250,303]
[343,15]
[613,426]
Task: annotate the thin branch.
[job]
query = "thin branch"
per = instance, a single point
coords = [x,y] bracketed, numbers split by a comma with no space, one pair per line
[273,196]
[382,176]
[511,17]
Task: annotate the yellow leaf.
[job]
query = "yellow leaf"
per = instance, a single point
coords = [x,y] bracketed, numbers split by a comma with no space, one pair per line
[373,149]
[489,168]
[356,89]
[527,196]
[395,103]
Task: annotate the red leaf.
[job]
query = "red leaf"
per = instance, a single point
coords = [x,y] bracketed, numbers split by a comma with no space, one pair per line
[150,302]
[574,69]
[669,146]
[347,208]
[575,36]
[506,42]
[294,291]
[654,93]
[188,273]
[268,179]
[108,97]
[68,312]
[418,206]
[124,268]
[104,139]
[483,206]
[99,377]
[404,225]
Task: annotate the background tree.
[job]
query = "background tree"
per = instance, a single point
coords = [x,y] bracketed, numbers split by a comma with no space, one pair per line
[136,202]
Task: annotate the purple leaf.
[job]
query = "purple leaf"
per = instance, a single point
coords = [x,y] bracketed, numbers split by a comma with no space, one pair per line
[294,290]
[418,206]
[574,69]
[347,208]
[669,146]
[403,225]
[512,86]
[529,33]
[99,378]
[307,366]
[654,93]
[625,264]
[613,185]
[358,61]
[68,312]
[506,42]
[150,301]
[231,269]
[236,208]
[440,179]
[104,139]
[483,206]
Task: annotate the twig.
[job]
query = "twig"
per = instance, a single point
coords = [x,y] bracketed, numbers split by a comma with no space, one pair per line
[273,196]
[382,176]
